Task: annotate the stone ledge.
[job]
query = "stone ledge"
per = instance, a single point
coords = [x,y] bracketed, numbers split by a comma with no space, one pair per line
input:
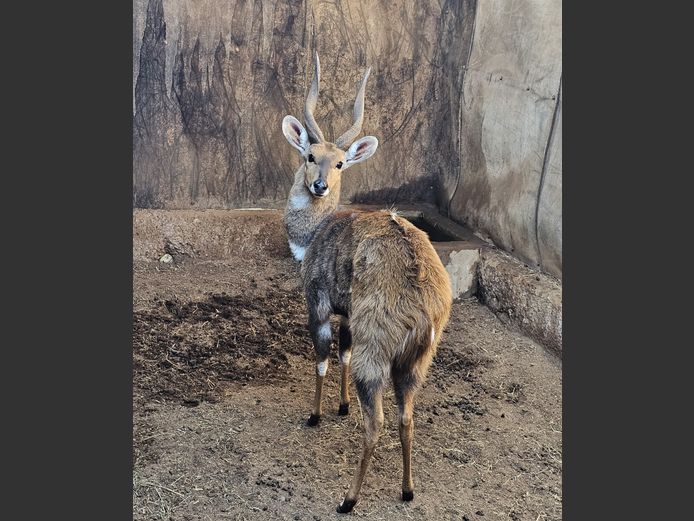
[207,234]
[519,295]
[460,258]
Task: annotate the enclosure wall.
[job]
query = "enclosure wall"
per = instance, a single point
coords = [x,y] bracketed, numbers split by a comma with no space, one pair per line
[464,96]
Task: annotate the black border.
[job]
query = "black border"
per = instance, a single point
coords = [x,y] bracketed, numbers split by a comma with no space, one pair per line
[68,248]
[619,356]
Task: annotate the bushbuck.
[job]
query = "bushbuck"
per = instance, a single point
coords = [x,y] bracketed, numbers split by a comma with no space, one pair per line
[375,270]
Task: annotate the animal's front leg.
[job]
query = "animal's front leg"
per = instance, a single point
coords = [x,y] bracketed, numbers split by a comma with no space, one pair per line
[322,339]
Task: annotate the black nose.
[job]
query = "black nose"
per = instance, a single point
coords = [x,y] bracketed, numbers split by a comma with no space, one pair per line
[319,186]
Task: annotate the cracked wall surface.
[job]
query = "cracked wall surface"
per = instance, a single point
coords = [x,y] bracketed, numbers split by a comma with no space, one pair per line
[464,97]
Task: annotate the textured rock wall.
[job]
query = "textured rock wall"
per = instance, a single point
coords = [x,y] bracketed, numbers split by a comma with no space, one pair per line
[214,78]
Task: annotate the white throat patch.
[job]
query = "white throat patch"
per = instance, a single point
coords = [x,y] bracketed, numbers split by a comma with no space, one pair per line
[299,201]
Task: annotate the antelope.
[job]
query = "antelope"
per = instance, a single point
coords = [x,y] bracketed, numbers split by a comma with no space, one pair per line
[374,269]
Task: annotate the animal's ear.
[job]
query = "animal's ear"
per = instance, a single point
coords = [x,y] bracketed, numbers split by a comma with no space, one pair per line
[295,133]
[360,150]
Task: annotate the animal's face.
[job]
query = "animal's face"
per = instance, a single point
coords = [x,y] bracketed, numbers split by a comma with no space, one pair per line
[325,161]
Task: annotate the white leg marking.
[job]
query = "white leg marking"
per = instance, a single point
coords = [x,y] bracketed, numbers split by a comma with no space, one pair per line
[297,251]
[324,331]
[433,335]
[345,357]
[322,368]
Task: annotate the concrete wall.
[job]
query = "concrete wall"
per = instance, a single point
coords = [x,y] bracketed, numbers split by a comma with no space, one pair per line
[509,129]
[464,97]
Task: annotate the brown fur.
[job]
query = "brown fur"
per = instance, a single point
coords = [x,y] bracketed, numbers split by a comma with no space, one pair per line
[381,272]
[399,289]
[375,269]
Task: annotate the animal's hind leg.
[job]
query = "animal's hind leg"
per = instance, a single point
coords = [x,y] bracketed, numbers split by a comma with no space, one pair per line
[371,401]
[405,385]
[319,326]
[345,358]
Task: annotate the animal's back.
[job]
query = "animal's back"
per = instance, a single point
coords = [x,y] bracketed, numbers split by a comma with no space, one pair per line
[399,295]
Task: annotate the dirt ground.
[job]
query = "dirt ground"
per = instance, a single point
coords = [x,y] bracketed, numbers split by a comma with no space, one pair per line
[223,382]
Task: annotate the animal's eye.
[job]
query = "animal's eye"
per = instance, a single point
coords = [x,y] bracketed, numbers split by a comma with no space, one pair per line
[310,158]
[339,165]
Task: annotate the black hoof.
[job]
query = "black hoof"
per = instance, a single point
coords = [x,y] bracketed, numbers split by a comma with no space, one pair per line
[407,495]
[313,420]
[346,506]
[343,410]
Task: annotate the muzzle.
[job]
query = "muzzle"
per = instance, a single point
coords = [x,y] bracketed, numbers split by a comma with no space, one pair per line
[319,188]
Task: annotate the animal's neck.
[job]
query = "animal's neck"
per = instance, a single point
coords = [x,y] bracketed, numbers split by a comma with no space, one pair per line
[304,212]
